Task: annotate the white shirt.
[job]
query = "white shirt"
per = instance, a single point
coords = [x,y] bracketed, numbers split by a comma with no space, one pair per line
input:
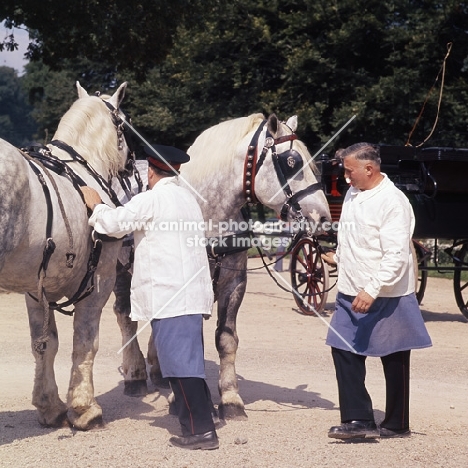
[171,274]
[374,239]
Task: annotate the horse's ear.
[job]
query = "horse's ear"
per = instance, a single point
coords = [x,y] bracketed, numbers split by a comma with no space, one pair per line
[82,93]
[292,123]
[272,124]
[118,96]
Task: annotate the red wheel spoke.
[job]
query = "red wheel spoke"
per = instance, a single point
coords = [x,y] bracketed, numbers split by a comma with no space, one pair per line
[308,276]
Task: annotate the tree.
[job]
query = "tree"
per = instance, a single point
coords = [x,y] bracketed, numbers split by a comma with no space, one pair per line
[129,34]
[16,124]
[325,61]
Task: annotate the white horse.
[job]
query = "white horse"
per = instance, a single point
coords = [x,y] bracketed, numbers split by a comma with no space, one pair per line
[46,249]
[237,161]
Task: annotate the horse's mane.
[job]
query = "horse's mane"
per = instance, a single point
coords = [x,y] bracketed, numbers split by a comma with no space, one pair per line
[88,128]
[216,147]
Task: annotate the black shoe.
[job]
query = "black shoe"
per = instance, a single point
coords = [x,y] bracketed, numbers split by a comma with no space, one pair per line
[387,433]
[206,441]
[355,430]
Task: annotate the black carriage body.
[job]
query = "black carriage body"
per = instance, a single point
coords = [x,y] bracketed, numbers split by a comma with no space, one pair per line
[442,201]
[433,179]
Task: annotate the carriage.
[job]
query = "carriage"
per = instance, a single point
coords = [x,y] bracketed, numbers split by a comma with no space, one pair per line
[433,179]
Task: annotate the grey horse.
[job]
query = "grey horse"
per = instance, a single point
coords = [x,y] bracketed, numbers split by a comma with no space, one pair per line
[46,248]
[236,162]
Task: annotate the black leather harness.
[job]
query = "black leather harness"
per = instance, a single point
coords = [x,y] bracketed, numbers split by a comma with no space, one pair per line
[287,165]
[41,158]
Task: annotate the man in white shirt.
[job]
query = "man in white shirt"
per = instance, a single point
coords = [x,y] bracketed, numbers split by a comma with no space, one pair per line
[377,313]
[171,284]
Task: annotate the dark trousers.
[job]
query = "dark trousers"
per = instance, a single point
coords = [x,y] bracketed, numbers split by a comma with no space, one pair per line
[193,405]
[355,401]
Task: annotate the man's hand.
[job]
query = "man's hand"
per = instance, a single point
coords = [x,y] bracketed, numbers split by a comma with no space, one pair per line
[328,258]
[91,197]
[362,303]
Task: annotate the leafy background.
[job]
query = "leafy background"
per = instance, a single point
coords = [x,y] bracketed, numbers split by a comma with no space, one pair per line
[191,64]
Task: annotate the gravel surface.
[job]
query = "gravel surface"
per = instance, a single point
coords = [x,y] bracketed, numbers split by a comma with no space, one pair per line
[286,379]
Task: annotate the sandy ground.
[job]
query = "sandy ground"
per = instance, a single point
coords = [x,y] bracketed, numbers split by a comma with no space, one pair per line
[287,382]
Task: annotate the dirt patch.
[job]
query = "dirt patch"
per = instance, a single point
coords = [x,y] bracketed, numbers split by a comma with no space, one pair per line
[286,379]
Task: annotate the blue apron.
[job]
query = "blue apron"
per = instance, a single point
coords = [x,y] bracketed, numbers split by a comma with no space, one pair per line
[179,344]
[392,324]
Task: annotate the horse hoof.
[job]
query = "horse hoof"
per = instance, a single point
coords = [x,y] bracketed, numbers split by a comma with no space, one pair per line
[95,423]
[159,381]
[91,419]
[135,388]
[232,412]
[59,421]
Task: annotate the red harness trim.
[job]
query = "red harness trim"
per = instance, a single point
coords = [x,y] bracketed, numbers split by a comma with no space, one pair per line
[284,138]
[250,168]
[250,163]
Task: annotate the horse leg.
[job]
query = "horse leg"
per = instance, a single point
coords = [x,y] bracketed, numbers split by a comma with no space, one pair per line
[52,411]
[133,362]
[155,370]
[83,411]
[230,289]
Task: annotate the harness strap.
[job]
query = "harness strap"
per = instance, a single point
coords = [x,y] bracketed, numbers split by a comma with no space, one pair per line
[40,343]
[294,199]
[285,138]
[230,244]
[250,165]
[99,179]
[82,291]
[215,276]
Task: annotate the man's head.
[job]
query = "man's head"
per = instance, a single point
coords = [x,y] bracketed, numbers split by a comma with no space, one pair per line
[163,161]
[361,163]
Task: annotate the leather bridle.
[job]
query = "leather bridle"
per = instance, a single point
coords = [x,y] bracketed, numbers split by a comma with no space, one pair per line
[287,165]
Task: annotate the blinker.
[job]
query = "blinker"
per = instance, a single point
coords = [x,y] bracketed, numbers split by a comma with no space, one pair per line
[290,162]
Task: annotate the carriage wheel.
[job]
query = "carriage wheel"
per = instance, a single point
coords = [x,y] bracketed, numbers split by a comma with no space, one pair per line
[460,285]
[309,276]
[420,255]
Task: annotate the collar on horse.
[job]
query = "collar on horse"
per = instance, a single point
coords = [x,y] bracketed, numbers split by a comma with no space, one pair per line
[287,164]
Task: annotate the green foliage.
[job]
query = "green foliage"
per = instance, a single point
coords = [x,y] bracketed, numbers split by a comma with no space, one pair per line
[324,61]
[130,34]
[16,125]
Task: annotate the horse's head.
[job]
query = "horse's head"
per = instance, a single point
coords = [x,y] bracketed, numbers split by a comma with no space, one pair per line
[279,173]
[94,127]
